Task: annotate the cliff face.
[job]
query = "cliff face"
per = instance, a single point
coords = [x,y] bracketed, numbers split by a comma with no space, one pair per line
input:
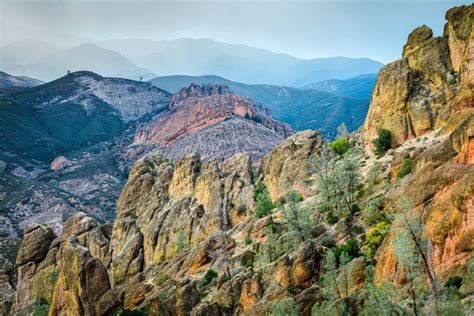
[429,92]
[198,120]
[429,85]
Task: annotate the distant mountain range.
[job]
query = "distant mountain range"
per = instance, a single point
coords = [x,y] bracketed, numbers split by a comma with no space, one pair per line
[9,81]
[135,58]
[49,63]
[323,105]
[359,87]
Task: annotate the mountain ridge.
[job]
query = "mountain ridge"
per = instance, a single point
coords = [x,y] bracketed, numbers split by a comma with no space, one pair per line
[256,65]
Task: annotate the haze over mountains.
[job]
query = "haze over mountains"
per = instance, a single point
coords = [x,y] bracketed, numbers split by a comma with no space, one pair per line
[135,58]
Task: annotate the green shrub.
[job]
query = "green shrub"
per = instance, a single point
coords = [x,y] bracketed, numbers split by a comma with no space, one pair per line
[355,209]
[259,188]
[332,219]
[405,168]
[162,279]
[375,237]
[226,278]
[208,277]
[340,146]
[285,307]
[264,204]
[280,202]
[41,310]
[136,312]
[351,248]
[371,214]
[454,281]
[383,142]
[298,197]
[291,289]
[248,240]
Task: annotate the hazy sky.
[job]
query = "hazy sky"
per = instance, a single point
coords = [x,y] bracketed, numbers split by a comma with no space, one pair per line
[355,28]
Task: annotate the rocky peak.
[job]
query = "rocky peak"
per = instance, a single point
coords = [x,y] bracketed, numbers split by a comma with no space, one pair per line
[212,118]
[417,38]
[204,90]
[420,92]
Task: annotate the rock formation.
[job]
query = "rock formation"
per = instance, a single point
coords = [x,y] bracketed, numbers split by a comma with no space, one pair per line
[212,121]
[428,86]
[429,90]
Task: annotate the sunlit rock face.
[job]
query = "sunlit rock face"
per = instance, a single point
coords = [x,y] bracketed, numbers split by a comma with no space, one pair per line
[430,86]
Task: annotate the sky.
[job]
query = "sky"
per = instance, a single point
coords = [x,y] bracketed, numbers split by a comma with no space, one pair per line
[375,29]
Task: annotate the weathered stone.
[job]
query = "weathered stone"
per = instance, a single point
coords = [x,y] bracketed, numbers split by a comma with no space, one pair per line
[251,293]
[83,286]
[285,168]
[35,244]
[185,173]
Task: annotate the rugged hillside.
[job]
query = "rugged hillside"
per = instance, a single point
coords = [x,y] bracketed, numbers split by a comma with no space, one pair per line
[210,120]
[317,230]
[301,108]
[86,120]
[8,81]
[76,110]
[427,98]
[197,57]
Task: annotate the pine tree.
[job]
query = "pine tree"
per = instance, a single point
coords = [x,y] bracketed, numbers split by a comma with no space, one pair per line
[342,131]
[296,220]
[414,254]
[285,307]
[379,300]
[268,251]
[337,180]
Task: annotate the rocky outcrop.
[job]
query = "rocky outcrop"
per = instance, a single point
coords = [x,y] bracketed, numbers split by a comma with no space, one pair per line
[195,90]
[421,92]
[175,222]
[199,116]
[7,283]
[66,272]
[286,168]
[83,286]
[59,163]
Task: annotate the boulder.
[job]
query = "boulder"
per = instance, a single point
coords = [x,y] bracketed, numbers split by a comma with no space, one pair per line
[286,167]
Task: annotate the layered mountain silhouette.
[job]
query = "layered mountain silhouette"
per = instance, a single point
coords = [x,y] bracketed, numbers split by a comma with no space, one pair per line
[136,58]
[9,81]
[237,62]
[51,63]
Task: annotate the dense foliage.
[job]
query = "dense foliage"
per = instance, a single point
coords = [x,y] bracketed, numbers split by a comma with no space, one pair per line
[405,168]
[383,142]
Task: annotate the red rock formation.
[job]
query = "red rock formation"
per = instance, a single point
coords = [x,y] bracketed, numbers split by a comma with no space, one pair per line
[199,107]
